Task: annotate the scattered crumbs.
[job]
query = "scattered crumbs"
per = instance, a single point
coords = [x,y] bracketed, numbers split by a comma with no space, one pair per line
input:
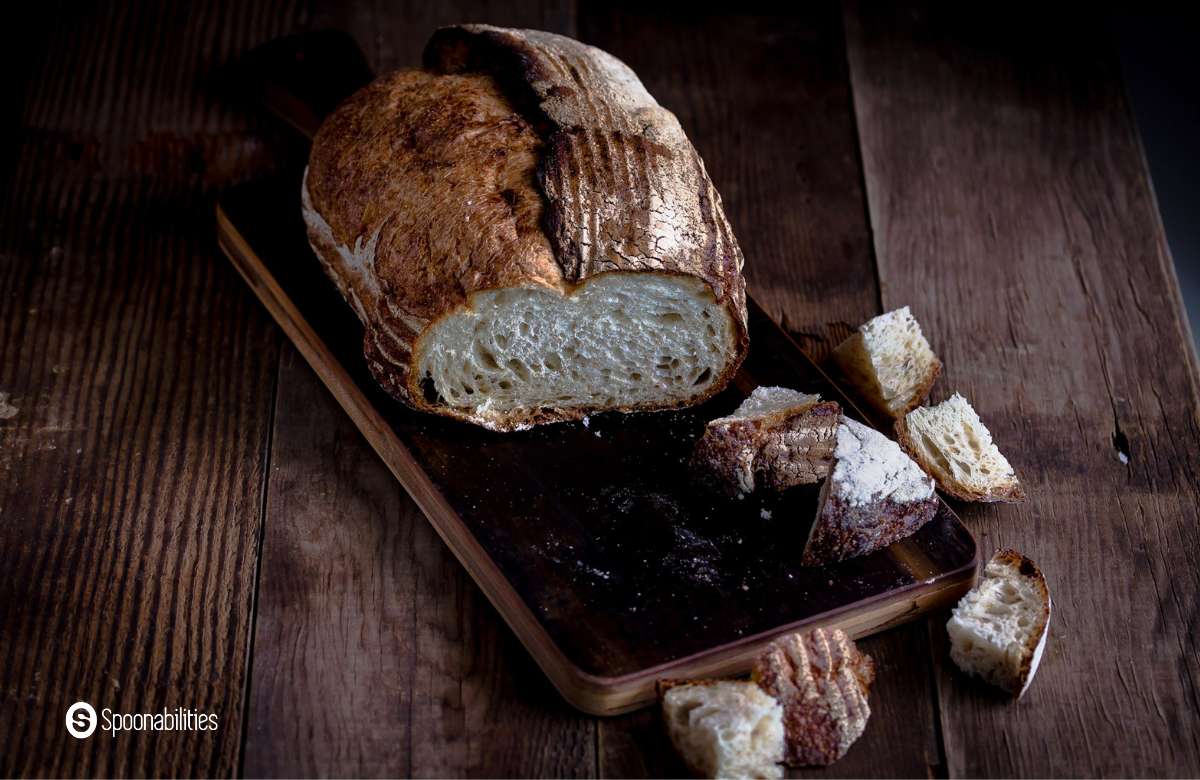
[791,576]
[831,583]
[587,421]
[68,500]
[741,496]
[1123,457]
[765,514]
[596,434]
[745,586]
[739,540]
[7,410]
[79,451]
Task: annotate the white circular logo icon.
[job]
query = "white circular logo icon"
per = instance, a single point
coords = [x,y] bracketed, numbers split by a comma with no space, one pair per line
[81,720]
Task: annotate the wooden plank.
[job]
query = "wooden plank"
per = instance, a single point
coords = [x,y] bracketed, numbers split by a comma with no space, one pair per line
[766,101]
[139,376]
[1011,208]
[430,682]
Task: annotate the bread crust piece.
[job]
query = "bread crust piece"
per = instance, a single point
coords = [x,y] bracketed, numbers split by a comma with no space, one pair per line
[875,495]
[843,530]
[519,158]
[823,681]
[1008,492]
[1035,643]
[747,695]
[776,452]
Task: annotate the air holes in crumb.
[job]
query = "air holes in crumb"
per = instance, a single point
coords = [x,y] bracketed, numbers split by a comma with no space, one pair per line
[504,384]
[552,362]
[524,326]
[670,316]
[518,368]
[705,375]
[429,390]
[501,341]
[487,358]
[635,376]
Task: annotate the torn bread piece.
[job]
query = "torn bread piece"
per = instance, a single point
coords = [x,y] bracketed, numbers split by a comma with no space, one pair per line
[724,728]
[998,630]
[822,680]
[889,362]
[875,495]
[778,438]
[953,445]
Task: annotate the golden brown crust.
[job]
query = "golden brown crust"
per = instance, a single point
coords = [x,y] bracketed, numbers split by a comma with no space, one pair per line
[823,681]
[778,451]
[1011,493]
[428,186]
[1029,570]
[852,360]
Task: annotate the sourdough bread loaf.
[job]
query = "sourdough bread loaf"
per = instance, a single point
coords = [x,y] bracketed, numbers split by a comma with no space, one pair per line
[526,235]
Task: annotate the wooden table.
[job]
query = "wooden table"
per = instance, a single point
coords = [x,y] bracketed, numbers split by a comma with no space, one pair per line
[188,519]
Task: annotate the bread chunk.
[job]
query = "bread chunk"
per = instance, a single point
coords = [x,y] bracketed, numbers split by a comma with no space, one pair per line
[526,235]
[889,362]
[875,495]
[822,680]
[953,445]
[778,438]
[725,728]
[998,630]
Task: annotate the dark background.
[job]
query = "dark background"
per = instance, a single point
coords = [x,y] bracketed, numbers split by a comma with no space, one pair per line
[1158,49]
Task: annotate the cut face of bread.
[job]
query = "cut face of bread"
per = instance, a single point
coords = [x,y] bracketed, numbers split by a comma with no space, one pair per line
[998,630]
[889,362]
[631,340]
[953,445]
[725,728]
[875,495]
[778,438]
[822,681]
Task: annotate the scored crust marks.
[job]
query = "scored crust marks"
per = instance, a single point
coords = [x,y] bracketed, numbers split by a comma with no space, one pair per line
[822,680]
[625,189]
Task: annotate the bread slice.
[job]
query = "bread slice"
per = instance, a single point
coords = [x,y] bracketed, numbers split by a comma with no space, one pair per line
[822,680]
[953,445]
[998,630]
[889,362]
[725,728]
[526,235]
[777,439]
[875,495]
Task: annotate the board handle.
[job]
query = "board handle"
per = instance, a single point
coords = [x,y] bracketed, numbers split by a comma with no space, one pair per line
[302,78]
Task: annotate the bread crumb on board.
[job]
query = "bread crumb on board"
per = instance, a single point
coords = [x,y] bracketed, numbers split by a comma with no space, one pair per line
[7,410]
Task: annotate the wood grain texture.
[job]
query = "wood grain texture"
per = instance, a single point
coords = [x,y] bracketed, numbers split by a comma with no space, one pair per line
[1011,208]
[140,377]
[431,682]
[766,101]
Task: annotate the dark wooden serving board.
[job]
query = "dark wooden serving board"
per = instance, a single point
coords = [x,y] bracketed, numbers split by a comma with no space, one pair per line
[591,540]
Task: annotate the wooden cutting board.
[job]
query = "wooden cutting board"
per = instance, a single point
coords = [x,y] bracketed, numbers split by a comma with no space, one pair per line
[589,538]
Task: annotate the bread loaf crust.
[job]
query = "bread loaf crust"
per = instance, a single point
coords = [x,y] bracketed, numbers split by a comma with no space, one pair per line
[581,173]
